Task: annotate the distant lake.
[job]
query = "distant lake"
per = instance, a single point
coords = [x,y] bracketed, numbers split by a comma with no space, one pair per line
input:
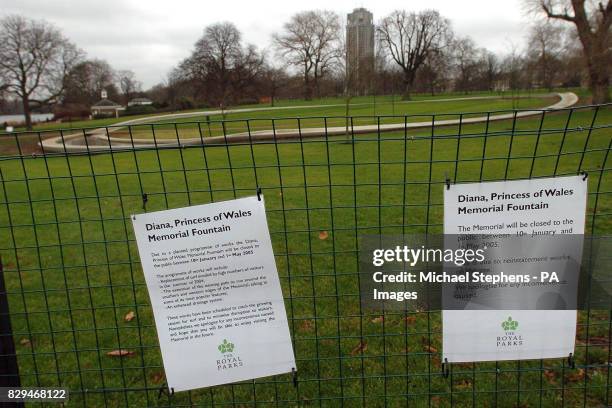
[36,117]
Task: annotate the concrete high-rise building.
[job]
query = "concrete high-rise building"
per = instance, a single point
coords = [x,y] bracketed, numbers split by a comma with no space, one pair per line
[360,49]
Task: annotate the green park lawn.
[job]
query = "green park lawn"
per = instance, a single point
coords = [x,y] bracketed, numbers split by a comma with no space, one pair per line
[335,106]
[331,113]
[72,269]
[326,112]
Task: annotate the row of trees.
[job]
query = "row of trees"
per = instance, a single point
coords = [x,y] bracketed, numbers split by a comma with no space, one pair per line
[221,68]
[88,78]
[35,58]
[415,52]
[42,68]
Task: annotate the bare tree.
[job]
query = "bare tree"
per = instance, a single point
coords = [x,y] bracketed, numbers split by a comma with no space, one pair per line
[348,74]
[544,50]
[409,38]
[3,84]
[249,67]
[3,92]
[592,21]
[512,73]
[465,56]
[3,95]
[310,41]
[215,54]
[328,49]
[34,60]
[435,73]
[273,80]
[386,76]
[86,81]
[571,69]
[128,84]
[220,68]
[489,68]
[177,90]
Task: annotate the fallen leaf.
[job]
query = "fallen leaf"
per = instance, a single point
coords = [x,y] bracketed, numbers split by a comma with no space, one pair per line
[464,384]
[410,319]
[120,353]
[360,348]
[129,316]
[378,319]
[157,377]
[550,376]
[24,342]
[430,349]
[323,235]
[307,325]
[436,400]
[599,341]
[576,375]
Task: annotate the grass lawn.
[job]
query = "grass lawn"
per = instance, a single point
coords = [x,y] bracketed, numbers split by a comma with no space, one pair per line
[72,267]
[376,103]
[318,113]
[363,113]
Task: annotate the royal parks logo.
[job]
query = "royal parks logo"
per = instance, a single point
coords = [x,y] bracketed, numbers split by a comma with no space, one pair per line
[226,347]
[509,325]
[511,339]
[229,359]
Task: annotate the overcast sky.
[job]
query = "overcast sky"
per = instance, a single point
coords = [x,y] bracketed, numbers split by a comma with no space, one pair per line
[150,37]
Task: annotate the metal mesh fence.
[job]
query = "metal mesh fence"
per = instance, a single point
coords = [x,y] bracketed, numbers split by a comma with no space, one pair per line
[78,305]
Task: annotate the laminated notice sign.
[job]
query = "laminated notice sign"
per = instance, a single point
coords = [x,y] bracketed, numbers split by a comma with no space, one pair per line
[525,208]
[215,293]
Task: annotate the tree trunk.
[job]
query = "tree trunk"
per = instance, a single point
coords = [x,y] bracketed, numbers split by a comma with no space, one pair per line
[599,84]
[408,80]
[26,112]
[307,91]
[595,46]
[599,77]
[347,103]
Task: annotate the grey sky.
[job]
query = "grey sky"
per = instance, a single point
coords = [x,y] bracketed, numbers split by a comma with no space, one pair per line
[151,36]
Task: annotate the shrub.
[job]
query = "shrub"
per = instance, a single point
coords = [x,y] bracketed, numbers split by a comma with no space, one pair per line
[138,110]
[71,111]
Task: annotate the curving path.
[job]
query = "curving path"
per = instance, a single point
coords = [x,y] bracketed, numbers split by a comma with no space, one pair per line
[101,139]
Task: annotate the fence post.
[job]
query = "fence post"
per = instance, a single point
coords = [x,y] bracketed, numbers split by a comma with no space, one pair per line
[9,370]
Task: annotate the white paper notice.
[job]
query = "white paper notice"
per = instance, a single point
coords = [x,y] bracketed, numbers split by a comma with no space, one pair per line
[540,206]
[215,292]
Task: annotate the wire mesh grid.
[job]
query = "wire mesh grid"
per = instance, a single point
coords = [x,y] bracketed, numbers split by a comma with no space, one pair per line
[79,307]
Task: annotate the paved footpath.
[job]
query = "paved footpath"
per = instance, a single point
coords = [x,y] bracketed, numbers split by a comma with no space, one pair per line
[101,139]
